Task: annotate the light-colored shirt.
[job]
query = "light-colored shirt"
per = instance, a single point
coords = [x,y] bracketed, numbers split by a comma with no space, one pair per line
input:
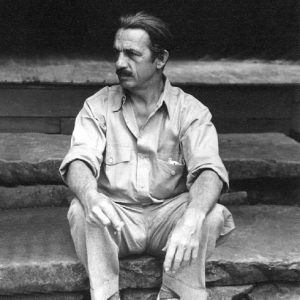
[150,165]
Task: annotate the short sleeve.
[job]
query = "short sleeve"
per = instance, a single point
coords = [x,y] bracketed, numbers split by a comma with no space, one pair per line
[200,144]
[88,141]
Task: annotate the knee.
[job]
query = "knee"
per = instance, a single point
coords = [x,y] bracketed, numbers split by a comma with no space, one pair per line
[219,223]
[215,218]
[76,212]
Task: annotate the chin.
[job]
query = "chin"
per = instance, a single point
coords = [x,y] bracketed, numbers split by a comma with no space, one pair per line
[127,84]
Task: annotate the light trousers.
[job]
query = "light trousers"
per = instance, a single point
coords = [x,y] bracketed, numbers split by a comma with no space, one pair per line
[146,230]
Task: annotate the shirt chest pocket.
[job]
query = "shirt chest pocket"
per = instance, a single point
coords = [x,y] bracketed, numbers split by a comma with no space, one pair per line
[117,166]
[168,179]
[116,155]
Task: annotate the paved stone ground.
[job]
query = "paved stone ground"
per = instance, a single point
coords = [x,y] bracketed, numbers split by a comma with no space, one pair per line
[86,71]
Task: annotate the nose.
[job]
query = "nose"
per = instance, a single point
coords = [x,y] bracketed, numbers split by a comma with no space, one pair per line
[121,61]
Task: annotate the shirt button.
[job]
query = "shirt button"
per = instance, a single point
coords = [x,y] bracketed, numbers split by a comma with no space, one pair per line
[101,120]
[173,172]
[110,160]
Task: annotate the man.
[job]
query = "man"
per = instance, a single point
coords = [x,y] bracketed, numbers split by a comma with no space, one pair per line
[145,169]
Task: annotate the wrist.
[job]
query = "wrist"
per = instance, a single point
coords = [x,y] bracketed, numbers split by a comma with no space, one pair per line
[91,194]
[193,216]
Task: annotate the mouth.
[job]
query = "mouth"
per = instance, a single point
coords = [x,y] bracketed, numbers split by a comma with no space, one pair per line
[123,74]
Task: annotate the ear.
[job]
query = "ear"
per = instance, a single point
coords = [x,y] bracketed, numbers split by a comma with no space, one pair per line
[162,59]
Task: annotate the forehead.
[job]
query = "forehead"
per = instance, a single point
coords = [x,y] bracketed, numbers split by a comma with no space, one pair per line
[131,38]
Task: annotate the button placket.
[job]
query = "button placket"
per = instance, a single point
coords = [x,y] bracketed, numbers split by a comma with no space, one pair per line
[142,172]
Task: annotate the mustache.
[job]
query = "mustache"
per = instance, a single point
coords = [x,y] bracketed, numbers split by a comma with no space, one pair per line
[122,72]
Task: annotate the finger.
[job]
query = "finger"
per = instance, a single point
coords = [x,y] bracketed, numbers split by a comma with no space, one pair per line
[98,213]
[166,246]
[187,256]
[195,253]
[92,220]
[169,257]
[113,217]
[178,258]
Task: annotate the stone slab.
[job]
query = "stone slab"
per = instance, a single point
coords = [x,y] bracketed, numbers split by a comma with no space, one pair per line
[234,198]
[62,70]
[29,158]
[50,296]
[215,293]
[264,247]
[37,253]
[139,294]
[34,196]
[277,291]
[24,196]
[228,292]
[260,155]
[33,158]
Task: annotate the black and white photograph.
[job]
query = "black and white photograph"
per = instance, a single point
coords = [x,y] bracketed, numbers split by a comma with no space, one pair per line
[149,150]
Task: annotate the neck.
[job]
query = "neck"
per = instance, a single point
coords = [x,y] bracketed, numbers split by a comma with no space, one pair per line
[149,94]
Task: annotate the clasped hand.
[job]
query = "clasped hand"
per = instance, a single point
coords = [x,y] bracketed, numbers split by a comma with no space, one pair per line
[99,210]
[183,243]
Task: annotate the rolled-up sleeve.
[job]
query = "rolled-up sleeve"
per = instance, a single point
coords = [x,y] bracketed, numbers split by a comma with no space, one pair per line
[87,142]
[200,146]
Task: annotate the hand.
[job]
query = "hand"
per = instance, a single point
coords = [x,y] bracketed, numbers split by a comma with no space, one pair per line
[99,210]
[183,243]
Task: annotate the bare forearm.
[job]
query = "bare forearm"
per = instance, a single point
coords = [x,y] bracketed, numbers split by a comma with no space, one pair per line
[205,192]
[98,207]
[80,180]
[183,242]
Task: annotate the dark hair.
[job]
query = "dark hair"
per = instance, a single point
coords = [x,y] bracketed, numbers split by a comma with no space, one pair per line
[160,35]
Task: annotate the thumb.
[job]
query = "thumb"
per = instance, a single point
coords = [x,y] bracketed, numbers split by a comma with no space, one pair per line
[165,248]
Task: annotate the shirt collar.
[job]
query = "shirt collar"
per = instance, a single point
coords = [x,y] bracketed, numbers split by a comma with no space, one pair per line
[120,99]
[165,96]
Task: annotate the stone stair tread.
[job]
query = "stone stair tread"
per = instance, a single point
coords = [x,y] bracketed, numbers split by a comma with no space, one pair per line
[37,254]
[63,70]
[29,158]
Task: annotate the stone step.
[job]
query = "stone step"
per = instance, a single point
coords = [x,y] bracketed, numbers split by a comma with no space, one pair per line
[60,195]
[64,70]
[269,291]
[37,254]
[36,196]
[32,158]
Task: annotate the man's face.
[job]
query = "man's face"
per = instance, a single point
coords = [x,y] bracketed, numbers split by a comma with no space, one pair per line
[135,66]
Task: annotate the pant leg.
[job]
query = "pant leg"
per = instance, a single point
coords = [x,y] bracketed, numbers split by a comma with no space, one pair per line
[99,248]
[189,281]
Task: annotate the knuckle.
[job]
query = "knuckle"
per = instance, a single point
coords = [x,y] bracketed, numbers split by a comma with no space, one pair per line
[105,222]
[183,244]
[175,241]
[168,258]
[89,216]
[194,245]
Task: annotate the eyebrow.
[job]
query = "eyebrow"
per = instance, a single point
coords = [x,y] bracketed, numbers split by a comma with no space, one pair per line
[127,49]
